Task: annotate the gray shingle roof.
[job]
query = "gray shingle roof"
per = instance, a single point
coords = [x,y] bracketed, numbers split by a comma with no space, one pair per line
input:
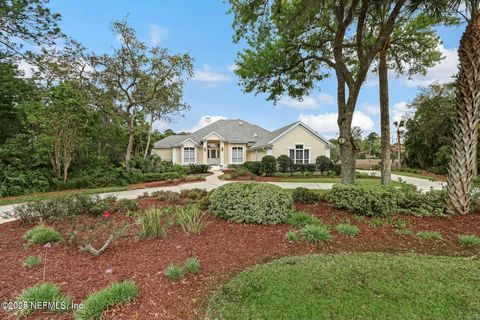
[263,141]
[231,130]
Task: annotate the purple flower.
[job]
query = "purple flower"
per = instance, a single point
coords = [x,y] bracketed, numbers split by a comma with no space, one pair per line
[47,245]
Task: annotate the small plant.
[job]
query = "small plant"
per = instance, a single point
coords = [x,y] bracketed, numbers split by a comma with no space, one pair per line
[468,240]
[430,235]
[316,233]
[292,236]
[44,292]
[41,235]
[191,219]
[32,261]
[347,229]
[169,196]
[298,219]
[400,224]
[404,232]
[174,272]
[154,222]
[377,222]
[304,195]
[115,294]
[192,265]
[126,205]
[359,218]
[193,194]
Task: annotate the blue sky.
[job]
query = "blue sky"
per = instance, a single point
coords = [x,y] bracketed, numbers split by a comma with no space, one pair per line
[203,29]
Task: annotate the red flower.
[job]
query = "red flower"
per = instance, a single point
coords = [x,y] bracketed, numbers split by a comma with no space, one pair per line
[106,214]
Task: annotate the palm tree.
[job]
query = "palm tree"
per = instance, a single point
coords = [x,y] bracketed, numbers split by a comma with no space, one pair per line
[399,125]
[463,161]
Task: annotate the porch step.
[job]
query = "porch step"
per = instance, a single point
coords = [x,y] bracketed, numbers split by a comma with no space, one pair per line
[215,168]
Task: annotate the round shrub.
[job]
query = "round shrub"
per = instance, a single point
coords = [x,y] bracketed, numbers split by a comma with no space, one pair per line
[251,202]
[42,234]
[268,165]
[252,166]
[285,163]
[324,164]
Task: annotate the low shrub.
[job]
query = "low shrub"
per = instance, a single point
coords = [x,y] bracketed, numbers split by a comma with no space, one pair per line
[252,166]
[41,235]
[304,195]
[251,202]
[197,168]
[127,205]
[32,261]
[285,164]
[192,265]
[115,294]
[268,165]
[304,167]
[430,235]
[292,236]
[468,240]
[44,292]
[324,164]
[300,219]
[316,233]
[204,203]
[193,194]
[241,172]
[347,229]
[155,221]
[174,273]
[191,219]
[153,176]
[169,196]
[337,169]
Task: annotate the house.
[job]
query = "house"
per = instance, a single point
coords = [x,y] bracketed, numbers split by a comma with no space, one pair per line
[226,142]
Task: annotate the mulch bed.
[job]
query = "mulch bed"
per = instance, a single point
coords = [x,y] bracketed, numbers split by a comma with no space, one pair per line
[223,249]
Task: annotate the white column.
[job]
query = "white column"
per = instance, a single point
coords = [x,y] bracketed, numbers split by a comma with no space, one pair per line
[222,154]
[269,152]
[205,152]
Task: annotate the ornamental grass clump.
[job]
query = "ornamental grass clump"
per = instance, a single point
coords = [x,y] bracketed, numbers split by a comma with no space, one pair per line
[298,219]
[468,240]
[43,292]
[154,222]
[316,234]
[347,229]
[251,202]
[42,234]
[191,219]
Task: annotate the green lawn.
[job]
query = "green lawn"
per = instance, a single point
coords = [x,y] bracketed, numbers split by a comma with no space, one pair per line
[353,286]
[361,181]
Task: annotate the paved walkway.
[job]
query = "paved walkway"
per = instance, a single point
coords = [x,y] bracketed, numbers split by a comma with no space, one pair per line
[211,182]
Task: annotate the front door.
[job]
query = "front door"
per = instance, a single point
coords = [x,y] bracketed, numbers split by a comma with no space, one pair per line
[213,156]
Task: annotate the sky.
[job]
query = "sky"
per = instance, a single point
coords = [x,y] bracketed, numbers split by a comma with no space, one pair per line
[203,29]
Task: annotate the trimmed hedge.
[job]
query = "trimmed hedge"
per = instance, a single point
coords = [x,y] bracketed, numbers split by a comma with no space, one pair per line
[251,202]
[151,177]
[252,166]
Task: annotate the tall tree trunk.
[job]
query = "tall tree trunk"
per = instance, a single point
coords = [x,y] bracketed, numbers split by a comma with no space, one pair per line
[386,168]
[463,160]
[131,140]
[399,151]
[149,137]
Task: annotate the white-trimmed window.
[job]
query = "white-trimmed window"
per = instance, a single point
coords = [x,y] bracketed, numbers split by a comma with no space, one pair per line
[300,155]
[237,154]
[189,155]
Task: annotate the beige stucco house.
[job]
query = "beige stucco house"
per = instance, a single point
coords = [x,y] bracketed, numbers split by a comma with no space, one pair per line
[226,142]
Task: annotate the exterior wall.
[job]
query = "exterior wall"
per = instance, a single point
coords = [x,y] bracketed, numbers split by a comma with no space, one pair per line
[300,135]
[255,155]
[164,154]
[177,155]
[199,155]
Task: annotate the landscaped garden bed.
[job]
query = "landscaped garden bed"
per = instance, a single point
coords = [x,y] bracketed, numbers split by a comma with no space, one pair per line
[158,266]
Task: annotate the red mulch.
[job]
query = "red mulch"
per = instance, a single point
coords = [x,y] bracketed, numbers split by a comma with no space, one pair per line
[223,249]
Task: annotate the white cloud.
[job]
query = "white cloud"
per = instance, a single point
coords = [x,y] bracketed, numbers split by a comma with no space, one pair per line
[157,34]
[371,109]
[399,109]
[304,103]
[27,68]
[442,72]
[210,77]
[326,123]
[326,99]
[233,67]
[161,125]
[205,121]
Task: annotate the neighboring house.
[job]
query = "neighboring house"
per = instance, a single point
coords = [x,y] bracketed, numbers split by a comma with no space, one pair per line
[226,142]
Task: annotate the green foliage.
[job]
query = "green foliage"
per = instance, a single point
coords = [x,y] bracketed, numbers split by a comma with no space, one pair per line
[251,202]
[285,163]
[468,240]
[43,292]
[316,233]
[304,195]
[153,176]
[169,196]
[252,166]
[430,235]
[174,273]
[347,229]
[197,168]
[115,294]
[268,165]
[404,232]
[337,169]
[41,235]
[300,219]
[324,164]
[292,236]
[126,205]
[241,172]
[154,222]
[192,265]
[383,201]
[193,194]
[32,261]
[191,219]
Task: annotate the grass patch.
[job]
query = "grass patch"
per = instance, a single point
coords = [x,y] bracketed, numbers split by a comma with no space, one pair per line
[430,235]
[191,219]
[352,286]
[192,265]
[32,261]
[348,229]
[404,232]
[115,294]
[316,233]
[154,222]
[44,292]
[298,219]
[41,235]
[468,240]
[174,273]
[292,236]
